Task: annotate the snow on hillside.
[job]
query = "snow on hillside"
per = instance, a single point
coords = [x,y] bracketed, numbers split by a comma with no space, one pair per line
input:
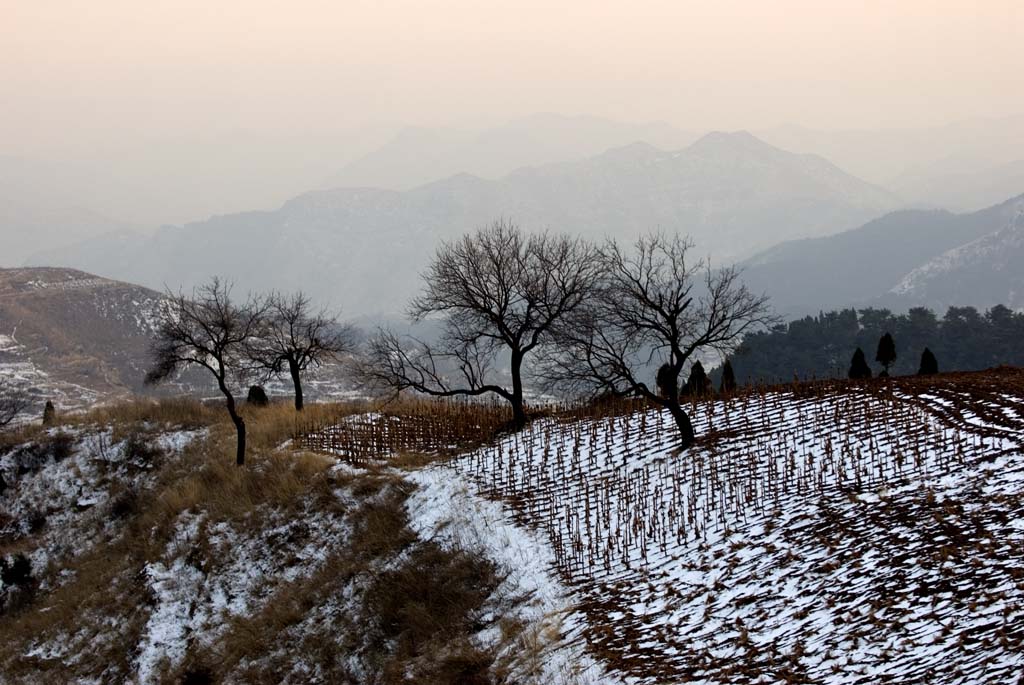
[72,492]
[20,371]
[844,536]
[986,270]
[446,509]
[61,485]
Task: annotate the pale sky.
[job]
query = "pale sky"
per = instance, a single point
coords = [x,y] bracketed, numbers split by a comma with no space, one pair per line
[145,79]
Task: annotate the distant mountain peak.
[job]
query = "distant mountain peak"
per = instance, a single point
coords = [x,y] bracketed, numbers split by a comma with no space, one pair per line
[637,150]
[718,141]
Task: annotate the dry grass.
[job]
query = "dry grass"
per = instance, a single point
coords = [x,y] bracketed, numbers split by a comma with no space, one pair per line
[409,623]
[423,613]
[415,617]
[179,411]
[106,587]
[265,646]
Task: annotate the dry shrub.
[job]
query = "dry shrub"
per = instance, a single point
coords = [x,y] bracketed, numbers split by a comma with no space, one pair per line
[424,612]
[141,451]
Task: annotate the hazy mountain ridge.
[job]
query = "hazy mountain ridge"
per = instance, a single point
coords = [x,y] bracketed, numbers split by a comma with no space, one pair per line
[862,266]
[963,166]
[988,270]
[362,249]
[417,155]
[961,186]
[45,204]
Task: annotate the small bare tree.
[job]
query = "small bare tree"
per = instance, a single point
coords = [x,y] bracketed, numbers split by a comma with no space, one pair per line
[296,338]
[651,304]
[497,291]
[13,401]
[209,331]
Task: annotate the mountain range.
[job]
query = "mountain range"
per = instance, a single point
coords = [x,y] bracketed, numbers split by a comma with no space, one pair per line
[418,155]
[47,204]
[987,270]
[962,166]
[933,258]
[362,249]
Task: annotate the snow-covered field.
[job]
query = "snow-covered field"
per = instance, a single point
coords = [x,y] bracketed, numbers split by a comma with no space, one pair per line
[826,533]
[847,537]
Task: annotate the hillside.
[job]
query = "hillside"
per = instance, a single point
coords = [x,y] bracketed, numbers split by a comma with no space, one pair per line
[76,339]
[134,550]
[71,336]
[860,266]
[363,249]
[986,270]
[827,532]
[835,533]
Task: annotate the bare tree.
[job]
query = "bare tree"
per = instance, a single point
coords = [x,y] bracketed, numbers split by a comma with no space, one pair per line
[297,338]
[498,292]
[13,401]
[651,304]
[209,331]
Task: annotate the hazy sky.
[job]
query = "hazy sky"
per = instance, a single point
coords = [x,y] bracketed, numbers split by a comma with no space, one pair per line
[241,82]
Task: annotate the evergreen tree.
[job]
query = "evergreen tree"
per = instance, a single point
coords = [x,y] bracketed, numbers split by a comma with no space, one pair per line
[859,368]
[886,353]
[728,377]
[698,383]
[49,414]
[929,365]
[666,381]
[819,346]
[257,396]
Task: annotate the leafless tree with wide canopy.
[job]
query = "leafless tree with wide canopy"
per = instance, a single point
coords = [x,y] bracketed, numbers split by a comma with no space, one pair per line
[498,292]
[295,337]
[652,303]
[209,331]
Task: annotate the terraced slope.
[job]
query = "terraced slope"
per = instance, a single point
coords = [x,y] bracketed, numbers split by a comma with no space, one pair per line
[829,533]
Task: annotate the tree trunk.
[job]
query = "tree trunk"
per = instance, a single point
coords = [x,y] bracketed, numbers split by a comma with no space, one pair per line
[240,449]
[683,424]
[518,405]
[238,421]
[293,369]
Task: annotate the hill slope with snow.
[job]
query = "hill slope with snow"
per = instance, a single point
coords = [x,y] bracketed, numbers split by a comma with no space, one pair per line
[829,534]
[986,270]
[861,267]
[73,337]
